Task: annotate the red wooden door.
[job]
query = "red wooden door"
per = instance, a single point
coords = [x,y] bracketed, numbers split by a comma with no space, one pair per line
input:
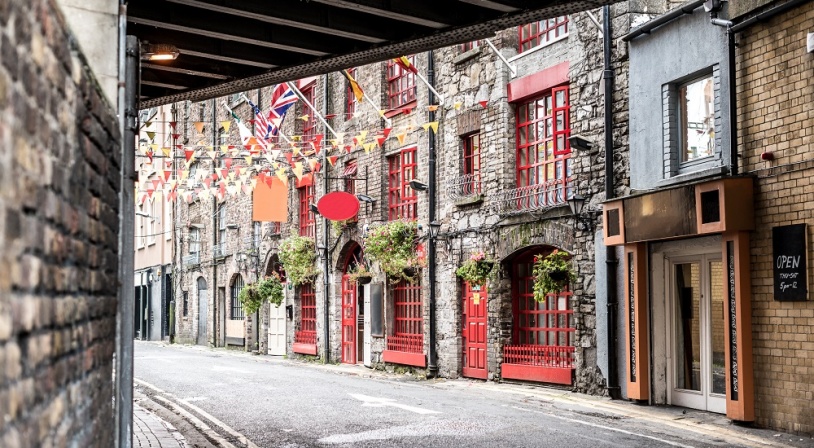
[348,320]
[474,332]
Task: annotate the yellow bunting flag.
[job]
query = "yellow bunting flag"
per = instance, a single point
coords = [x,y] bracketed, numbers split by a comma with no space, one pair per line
[303,117]
[151,135]
[281,174]
[369,146]
[457,105]
[298,170]
[401,137]
[313,164]
[226,125]
[434,126]
[166,151]
[354,86]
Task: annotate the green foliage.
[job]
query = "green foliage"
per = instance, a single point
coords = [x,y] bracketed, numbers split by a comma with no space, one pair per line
[250,299]
[360,270]
[552,273]
[477,269]
[271,289]
[392,246]
[298,254]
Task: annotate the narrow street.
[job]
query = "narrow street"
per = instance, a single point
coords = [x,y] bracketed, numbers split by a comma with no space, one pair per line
[271,402]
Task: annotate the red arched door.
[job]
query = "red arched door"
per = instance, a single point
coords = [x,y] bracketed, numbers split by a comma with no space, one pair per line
[474,331]
[350,310]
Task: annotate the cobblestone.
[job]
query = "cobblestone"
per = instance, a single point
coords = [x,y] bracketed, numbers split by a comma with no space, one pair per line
[151,431]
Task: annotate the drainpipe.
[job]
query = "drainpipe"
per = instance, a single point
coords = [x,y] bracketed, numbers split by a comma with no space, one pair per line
[733,97]
[214,238]
[326,267]
[432,367]
[610,252]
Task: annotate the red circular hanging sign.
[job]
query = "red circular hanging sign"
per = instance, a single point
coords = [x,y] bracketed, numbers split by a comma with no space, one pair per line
[338,206]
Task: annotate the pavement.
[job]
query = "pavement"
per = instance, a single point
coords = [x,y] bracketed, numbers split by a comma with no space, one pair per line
[220,398]
[150,431]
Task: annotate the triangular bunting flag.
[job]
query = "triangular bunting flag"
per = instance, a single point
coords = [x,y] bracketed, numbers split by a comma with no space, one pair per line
[483,103]
[401,137]
[226,125]
[151,135]
[199,126]
[332,160]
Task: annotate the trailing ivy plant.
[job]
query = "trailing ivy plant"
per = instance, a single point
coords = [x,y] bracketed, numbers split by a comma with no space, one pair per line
[392,245]
[298,254]
[477,269]
[250,298]
[552,273]
[271,289]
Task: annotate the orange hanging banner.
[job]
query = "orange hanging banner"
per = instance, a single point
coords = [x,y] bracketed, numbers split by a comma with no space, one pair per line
[270,203]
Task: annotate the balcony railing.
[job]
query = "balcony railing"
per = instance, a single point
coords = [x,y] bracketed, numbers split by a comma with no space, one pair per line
[191,259]
[219,250]
[464,186]
[251,242]
[530,198]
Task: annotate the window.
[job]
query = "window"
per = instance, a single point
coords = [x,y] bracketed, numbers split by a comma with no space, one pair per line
[310,125]
[307,220]
[408,329]
[471,165]
[257,235]
[400,84]
[543,151]
[140,227]
[402,201]
[306,333]
[350,176]
[151,230]
[696,103]
[466,46]
[541,32]
[275,228]
[194,241]
[167,227]
[237,305]
[185,305]
[350,98]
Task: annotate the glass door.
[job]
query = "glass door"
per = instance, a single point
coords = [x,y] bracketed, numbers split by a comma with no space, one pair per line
[698,322]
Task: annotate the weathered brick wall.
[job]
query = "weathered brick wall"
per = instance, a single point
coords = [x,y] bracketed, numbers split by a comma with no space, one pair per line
[58,231]
[776,114]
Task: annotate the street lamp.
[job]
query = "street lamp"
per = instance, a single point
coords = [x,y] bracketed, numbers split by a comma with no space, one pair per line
[435,227]
[322,252]
[577,203]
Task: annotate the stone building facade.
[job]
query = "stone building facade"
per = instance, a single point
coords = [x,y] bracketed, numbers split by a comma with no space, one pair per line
[59,208]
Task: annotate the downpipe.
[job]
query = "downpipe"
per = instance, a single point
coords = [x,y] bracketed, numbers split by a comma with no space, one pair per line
[432,365]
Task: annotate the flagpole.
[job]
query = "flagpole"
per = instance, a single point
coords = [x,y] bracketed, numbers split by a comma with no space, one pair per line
[502,58]
[440,98]
[313,109]
[386,120]
[279,130]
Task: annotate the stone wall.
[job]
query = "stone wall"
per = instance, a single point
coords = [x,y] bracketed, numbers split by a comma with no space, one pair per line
[776,114]
[58,230]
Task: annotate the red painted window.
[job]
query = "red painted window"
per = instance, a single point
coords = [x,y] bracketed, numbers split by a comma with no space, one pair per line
[402,201]
[542,333]
[275,228]
[310,125]
[350,176]
[307,331]
[466,46]
[408,330]
[543,151]
[400,84]
[471,165]
[307,221]
[350,98]
[536,33]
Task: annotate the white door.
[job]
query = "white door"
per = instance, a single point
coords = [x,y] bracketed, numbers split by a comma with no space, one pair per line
[696,333]
[277,329]
[368,358]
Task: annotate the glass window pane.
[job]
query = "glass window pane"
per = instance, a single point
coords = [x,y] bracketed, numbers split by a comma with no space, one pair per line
[697,115]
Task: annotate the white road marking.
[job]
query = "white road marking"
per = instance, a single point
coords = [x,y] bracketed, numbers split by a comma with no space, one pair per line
[581,422]
[377,402]
[243,439]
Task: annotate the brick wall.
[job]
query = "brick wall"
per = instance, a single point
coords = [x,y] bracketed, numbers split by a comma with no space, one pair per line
[58,231]
[776,114]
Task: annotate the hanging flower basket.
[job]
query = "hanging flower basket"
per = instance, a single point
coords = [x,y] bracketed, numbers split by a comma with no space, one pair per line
[361,274]
[271,289]
[298,256]
[477,269]
[552,273]
[393,247]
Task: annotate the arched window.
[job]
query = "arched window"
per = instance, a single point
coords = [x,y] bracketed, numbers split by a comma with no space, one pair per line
[237,307]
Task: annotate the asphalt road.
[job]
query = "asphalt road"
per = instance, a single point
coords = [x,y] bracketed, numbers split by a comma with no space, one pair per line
[280,403]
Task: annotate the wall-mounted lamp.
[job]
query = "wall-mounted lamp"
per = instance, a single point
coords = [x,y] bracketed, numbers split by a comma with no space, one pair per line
[418,185]
[577,203]
[159,52]
[322,252]
[580,144]
[365,198]
[232,226]
[314,209]
[435,228]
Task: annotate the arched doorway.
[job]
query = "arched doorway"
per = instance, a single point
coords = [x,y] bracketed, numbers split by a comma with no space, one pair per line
[353,315]
[277,320]
[202,316]
[542,344]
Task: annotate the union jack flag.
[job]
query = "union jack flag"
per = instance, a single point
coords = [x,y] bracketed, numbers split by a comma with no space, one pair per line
[282,97]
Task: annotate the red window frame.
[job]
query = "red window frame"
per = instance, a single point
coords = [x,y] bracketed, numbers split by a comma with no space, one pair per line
[471,164]
[307,219]
[540,32]
[466,46]
[350,181]
[307,331]
[350,98]
[408,328]
[401,87]
[402,201]
[543,151]
[309,126]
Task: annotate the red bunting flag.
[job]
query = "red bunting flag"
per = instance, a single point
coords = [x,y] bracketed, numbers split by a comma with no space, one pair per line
[483,103]
[386,132]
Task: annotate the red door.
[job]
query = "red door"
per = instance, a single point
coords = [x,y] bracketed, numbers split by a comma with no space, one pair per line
[348,320]
[474,332]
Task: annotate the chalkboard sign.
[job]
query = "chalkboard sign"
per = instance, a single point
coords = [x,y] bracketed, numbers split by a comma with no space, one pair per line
[790,262]
[376,314]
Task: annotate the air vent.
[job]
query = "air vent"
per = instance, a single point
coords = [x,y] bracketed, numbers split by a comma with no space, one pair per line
[710,206]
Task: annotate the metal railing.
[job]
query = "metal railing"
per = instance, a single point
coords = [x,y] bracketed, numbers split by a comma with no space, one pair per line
[191,259]
[251,241]
[219,250]
[463,186]
[532,197]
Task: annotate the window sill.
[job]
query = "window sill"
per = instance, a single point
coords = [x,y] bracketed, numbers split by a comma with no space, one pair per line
[469,201]
[466,55]
[399,110]
[692,176]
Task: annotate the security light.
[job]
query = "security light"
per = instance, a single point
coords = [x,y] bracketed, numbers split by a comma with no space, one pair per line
[365,198]
[418,185]
[580,143]
[159,52]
